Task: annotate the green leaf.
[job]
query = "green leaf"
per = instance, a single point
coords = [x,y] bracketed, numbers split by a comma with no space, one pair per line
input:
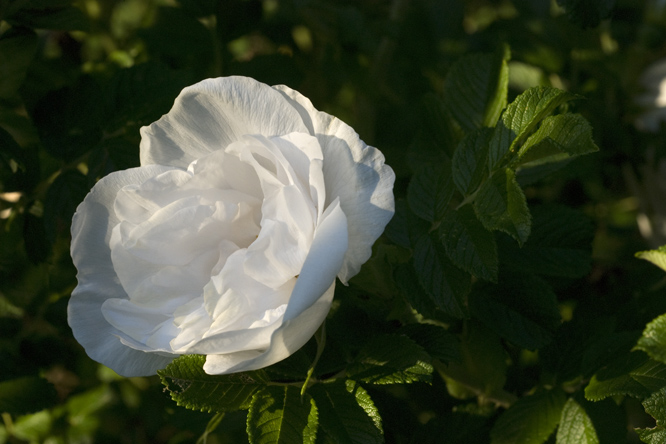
[520,119]
[530,420]
[347,414]
[656,435]
[476,87]
[655,405]
[69,120]
[278,414]
[557,138]
[586,13]
[141,94]
[194,389]
[17,49]
[63,196]
[430,191]
[468,244]
[522,309]
[501,205]
[653,340]
[470,160]
[437,126]
[378,363]
[11,154]
[560,244]
[484,362]
[634,375]
[657,257]
[446,284]
[436,341]
[407,281]
[58,19]
[26,395]
[575,426]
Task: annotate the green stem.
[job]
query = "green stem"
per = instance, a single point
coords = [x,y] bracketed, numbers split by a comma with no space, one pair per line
[320,337]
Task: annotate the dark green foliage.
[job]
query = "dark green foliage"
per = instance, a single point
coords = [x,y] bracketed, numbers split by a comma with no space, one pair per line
[506,301]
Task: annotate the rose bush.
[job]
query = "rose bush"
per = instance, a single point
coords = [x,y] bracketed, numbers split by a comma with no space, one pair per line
[226,241]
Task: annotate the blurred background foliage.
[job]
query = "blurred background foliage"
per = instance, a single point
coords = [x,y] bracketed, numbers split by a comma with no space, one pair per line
[79,78]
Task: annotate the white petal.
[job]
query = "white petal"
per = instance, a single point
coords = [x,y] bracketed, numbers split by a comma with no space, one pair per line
[308,305]
[212,114]
[91,231]
[353,172]
[286,340]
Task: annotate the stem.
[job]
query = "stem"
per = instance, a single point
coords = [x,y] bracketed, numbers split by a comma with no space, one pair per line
[320,337]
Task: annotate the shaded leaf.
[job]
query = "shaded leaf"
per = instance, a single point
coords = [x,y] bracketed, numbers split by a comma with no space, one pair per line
[407,281]
[67,18]
[446,284]
[470,160]
[501,205]
[484,362]
[378,363]
[63,196]
[17,49]
[347,414]
[436,341]
[560,244]
[476,87]
[26,395]
[141,94]
[530,420]
[468,244]
[278,415]
[587,13]
[522,309]
[194,389]
[430,191]
[575,426]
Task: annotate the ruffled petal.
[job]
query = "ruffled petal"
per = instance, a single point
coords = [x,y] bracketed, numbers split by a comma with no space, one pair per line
[308,305]
[212,114]
[353,172]
[91,231]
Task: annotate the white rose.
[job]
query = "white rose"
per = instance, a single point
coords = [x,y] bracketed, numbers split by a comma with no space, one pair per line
[227,240]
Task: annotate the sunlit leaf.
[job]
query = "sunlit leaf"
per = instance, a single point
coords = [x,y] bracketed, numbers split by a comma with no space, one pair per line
[194,389]
[278,415]
[557,138]
[347,414]
[530,420]
[657,257]
[575,426]
[520,119]
[378,362]
[634,375]
[653,340]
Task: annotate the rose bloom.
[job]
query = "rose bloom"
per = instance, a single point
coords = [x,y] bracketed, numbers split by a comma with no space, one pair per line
[226,241]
